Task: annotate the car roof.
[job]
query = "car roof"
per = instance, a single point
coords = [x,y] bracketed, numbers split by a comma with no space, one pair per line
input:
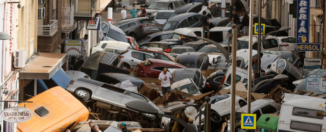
[182,48]
[182,16]
[162,42]
[218,19]
[111,26]
[160,33]
[165,62]
[186,7]
[165,11]
[121,76]
[184,57]
[256,105]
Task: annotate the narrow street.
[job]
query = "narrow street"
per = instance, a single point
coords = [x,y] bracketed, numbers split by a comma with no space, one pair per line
[176,66]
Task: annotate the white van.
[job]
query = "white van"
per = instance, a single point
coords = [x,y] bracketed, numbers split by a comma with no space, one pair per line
[299,114]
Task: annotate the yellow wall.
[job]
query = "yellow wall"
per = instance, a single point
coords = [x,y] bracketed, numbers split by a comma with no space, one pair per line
[27,26]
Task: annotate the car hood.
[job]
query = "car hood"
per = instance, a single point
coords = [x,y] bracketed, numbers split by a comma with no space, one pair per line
[151,10]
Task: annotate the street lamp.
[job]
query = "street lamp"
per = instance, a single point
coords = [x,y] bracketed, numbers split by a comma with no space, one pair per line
[189,33]
[145,107]
[4,36]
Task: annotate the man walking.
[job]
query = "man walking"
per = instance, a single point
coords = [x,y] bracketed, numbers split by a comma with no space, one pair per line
[133,12]
[84,46]
[236,20]
[124,13]
[164,83]
[205,24]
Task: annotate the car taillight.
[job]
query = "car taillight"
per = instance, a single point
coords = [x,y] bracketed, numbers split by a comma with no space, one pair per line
[71,82]
[222,82]
[167,50]
[121,56]
[284,44]
[208,85]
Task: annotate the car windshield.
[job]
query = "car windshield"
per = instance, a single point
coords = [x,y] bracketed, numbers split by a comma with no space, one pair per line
[158,6]
[171,25]
[117,35]
[173,15]
[163,15]
[209,49]
[289,40]
[242,44]
[175,36]
[180,51]
[190,88]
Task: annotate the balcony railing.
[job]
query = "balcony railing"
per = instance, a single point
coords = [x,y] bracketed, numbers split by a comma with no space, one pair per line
[48,30]
[68,23]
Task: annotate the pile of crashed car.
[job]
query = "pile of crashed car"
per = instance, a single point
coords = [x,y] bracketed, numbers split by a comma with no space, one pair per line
[122,69]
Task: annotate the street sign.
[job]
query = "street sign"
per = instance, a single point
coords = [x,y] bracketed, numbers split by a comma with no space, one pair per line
[248,121]
[308,47]
[16,114]
[303,21]
[262,26]
[73,47]
[312,63]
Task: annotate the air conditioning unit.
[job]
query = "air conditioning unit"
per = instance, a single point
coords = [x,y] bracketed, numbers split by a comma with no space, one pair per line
[20,58]
[41,13]
[41,2]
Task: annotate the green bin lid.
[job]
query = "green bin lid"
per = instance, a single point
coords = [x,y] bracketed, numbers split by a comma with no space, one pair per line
[268,122]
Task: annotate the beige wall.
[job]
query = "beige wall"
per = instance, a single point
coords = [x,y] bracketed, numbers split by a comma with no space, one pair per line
[27,26]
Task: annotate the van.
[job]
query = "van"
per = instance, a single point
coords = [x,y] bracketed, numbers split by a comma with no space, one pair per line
[299,114]
[54,110]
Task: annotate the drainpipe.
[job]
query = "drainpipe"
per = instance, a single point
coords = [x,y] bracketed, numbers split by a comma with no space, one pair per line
[110,12]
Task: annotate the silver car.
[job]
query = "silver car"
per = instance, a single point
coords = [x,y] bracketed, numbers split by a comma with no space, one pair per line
[88,89]
[132,57]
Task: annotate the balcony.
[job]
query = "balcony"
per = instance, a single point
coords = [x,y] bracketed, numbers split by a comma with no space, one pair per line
[48,30]
[67,22]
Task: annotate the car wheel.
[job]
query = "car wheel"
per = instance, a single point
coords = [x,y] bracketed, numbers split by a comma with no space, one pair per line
[125,66]
[83,94]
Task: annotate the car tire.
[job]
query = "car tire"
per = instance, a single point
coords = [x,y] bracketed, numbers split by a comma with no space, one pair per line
[82,94]
[125,66]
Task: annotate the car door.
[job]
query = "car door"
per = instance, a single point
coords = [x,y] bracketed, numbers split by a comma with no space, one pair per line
[137,57]
[197,18]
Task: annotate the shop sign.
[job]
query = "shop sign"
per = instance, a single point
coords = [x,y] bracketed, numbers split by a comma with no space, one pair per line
[303,21]
[308,47]
[314,84]
[312,63]
[73,47]
[94,24]
[16,114]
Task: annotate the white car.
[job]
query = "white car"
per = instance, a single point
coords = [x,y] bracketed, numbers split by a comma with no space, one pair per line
[132,57]
[162,15]
[269,44]
[111,46]
[287,43]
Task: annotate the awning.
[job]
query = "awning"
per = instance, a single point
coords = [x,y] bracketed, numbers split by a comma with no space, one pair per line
[43,66]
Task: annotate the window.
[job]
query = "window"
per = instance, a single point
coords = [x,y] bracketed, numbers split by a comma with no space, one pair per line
[239,63]
[147,56]
[135,95]
[196,77]
[306,113]
[176,4]
[103,46]
[163,15]
[242,103]
[170,25]
[195,9]
[213,49]
[257,114]
[158,6]
[268,109]
[184,23]
[200,61]
[280,66]
[192,20]
[255,46]
[166,36]
[216,36]
[123,27]
[273,43]
[132,24]
[266,44]
[157,38]
[170,7]
[304,126]
[237,78]
[137,55]
[160,56]
[198,33]
[242,44]
[158,68]
[245,81]
[104,28]
[113,88]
